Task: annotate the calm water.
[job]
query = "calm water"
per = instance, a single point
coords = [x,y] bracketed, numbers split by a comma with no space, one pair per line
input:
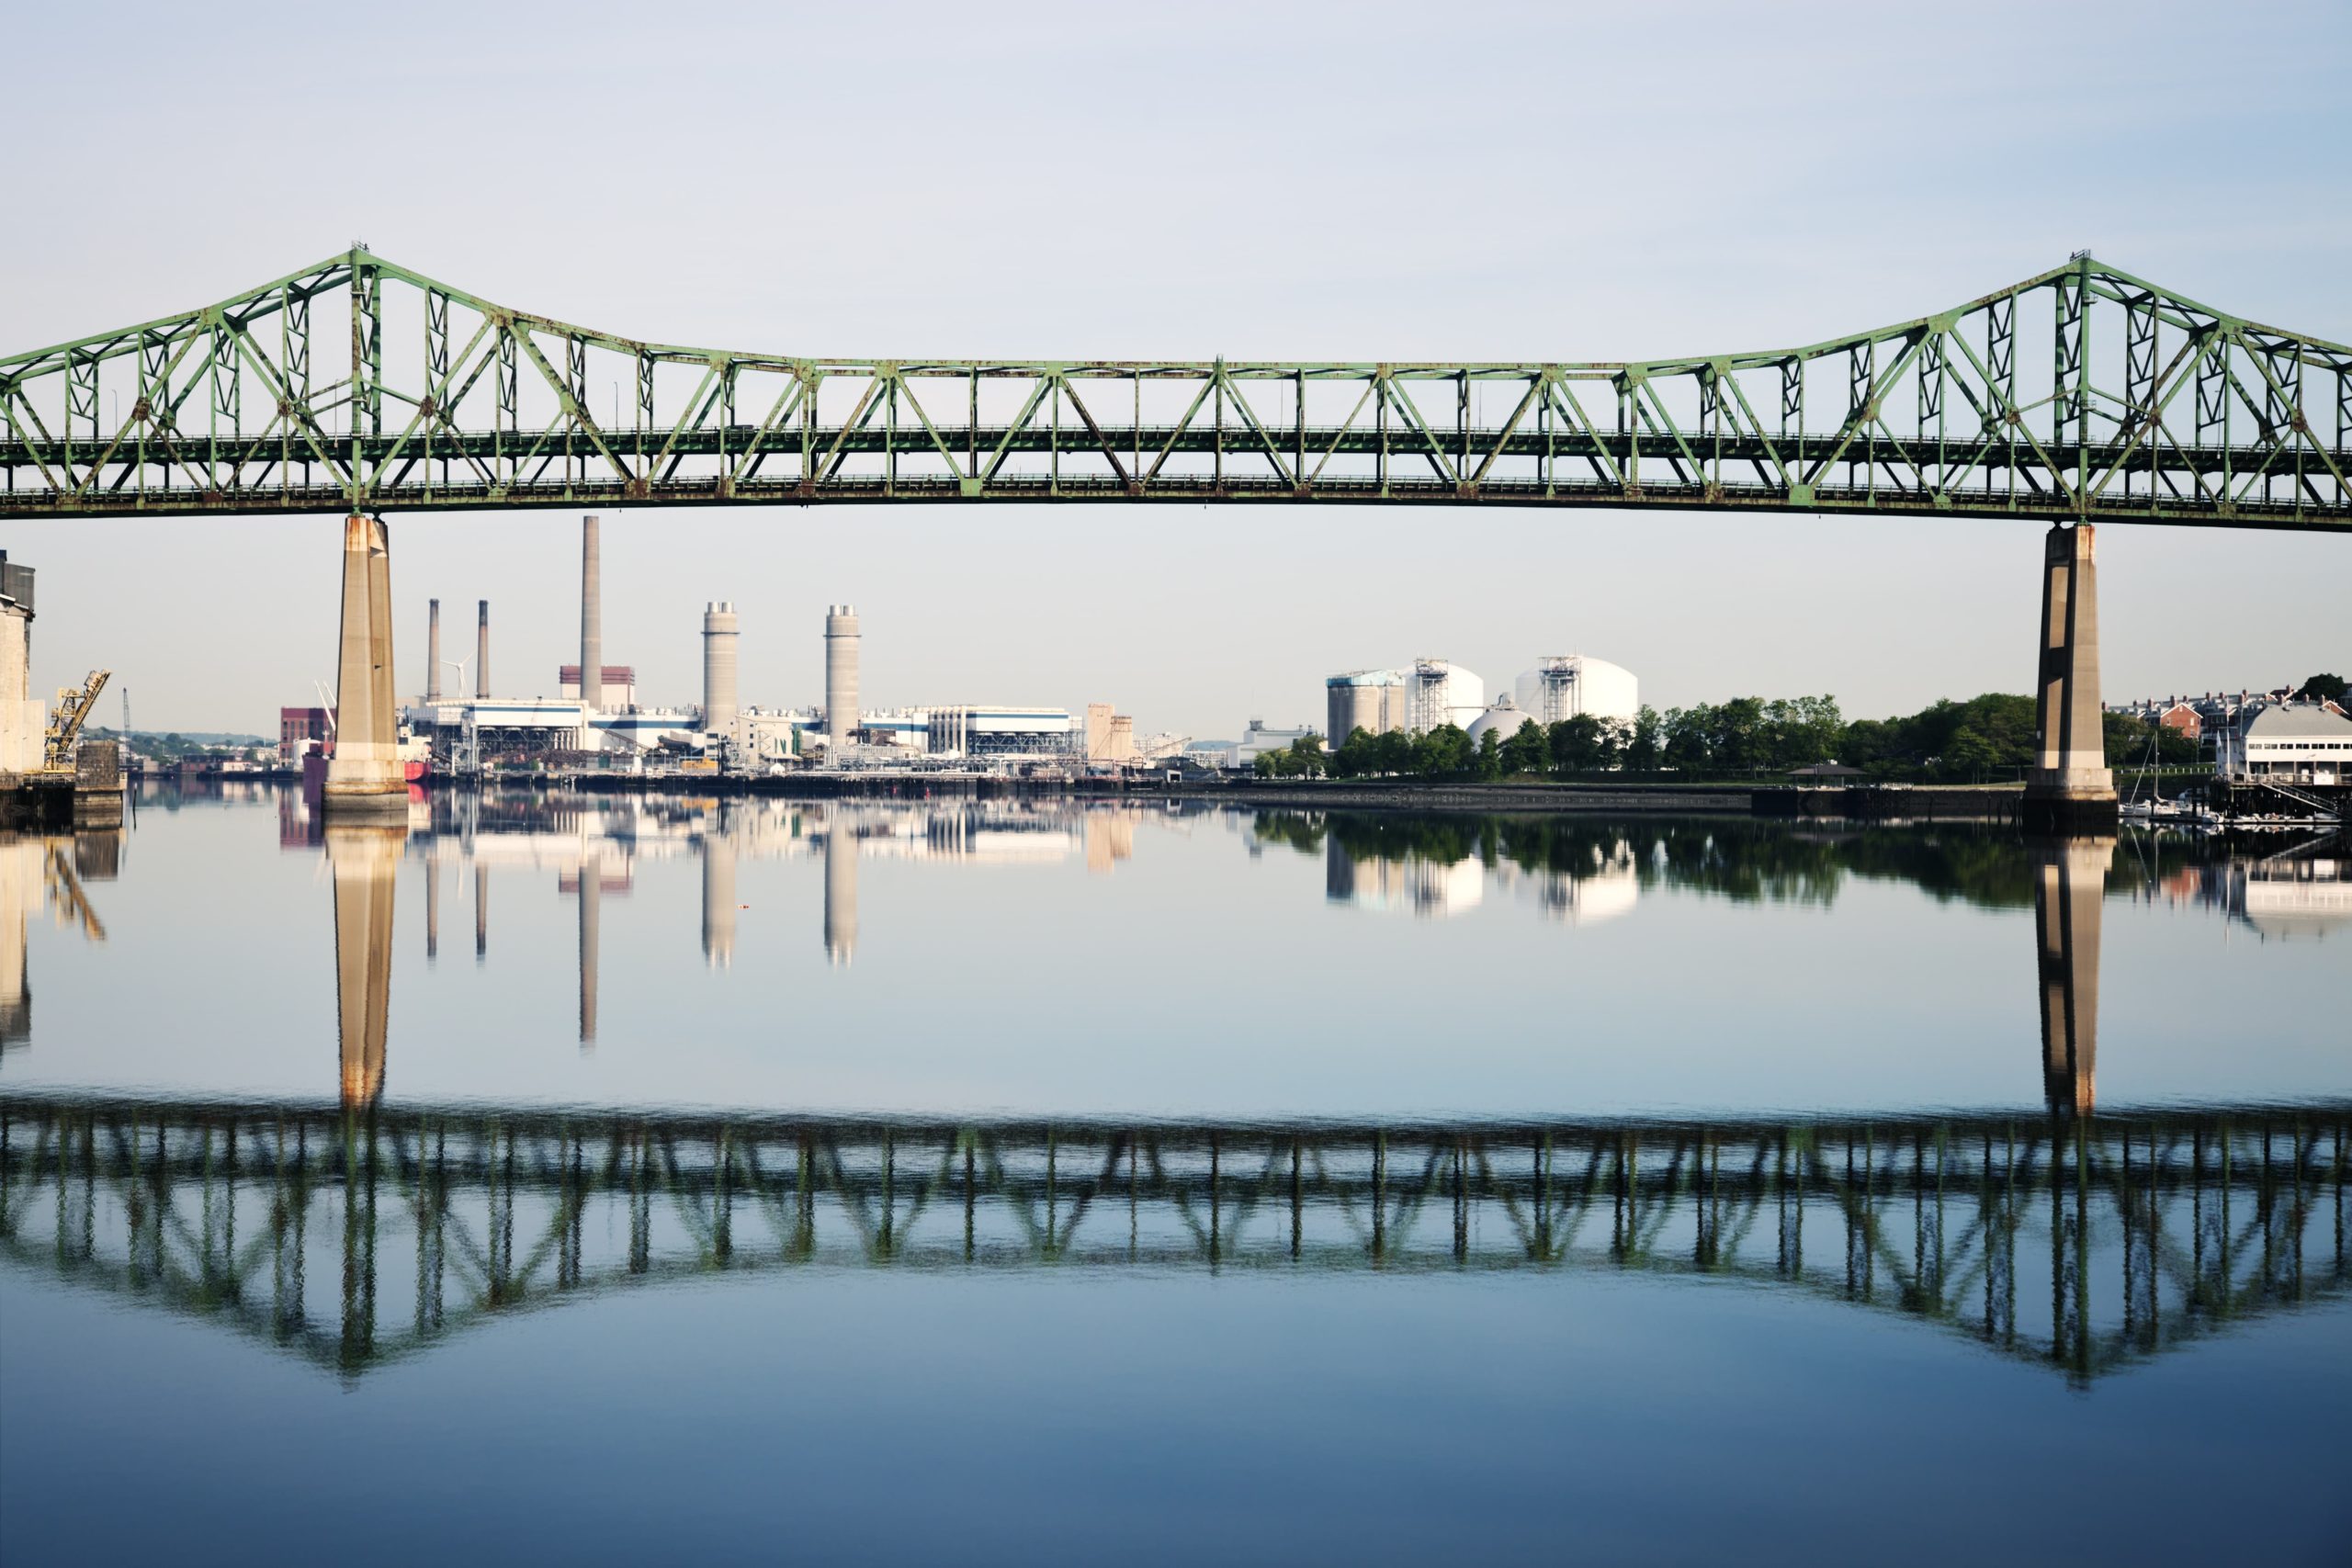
[1015,1182]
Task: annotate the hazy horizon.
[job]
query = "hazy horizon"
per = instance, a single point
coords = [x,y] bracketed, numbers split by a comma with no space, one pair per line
[1502,182]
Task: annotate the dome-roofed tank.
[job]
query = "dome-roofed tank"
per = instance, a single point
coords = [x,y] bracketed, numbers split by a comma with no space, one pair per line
[1503,716]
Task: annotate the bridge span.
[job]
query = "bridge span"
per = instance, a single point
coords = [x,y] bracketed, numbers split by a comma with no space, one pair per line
[2148,407]
[2084,394]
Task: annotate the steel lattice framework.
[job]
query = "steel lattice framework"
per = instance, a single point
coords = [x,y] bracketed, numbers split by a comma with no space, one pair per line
[2138,1233]
[2081,394]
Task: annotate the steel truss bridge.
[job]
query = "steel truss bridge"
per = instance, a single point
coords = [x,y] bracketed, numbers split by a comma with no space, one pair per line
[2082,394]
[354,1237]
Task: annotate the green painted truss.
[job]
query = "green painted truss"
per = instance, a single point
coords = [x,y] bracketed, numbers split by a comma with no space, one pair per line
[2084,394]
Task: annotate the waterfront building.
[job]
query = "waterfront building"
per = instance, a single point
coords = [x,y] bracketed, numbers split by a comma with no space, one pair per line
[2286,743]
[23,716]
[1258,738]
[300,727]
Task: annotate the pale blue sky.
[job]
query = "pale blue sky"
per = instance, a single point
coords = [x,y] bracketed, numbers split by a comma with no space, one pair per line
[1356,182]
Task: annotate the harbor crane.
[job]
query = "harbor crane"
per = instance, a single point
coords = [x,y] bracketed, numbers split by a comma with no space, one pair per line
[74,706]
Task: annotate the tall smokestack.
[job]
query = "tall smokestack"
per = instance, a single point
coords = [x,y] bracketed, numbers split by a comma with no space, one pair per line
[433,650]
[841,680]
[719,631]
[481,650]
[592,617]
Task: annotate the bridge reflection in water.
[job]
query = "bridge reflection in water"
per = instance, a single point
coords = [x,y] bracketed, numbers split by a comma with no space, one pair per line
[2079,1240]
[2085,1244]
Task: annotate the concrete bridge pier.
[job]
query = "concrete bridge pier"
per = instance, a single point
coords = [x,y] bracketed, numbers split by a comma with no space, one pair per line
[365,860]
[2069,788]
[2070,882]
[364,777]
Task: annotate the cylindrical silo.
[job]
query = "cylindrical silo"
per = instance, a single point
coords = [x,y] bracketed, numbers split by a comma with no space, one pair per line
[1369,700]
[841,680]
[591,617]
[718,638]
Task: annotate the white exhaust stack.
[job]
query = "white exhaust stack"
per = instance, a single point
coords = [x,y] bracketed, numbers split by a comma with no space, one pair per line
[433,650]
[720,635]
[841,680]
[592,617]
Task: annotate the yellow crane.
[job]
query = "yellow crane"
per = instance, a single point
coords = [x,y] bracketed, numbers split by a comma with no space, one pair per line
[73,704]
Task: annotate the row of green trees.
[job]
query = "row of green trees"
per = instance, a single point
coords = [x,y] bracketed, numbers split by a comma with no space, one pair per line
[1985,737]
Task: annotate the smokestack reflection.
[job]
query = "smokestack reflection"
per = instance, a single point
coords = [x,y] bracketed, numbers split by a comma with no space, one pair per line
[719,895]
[591,920]
[840,889]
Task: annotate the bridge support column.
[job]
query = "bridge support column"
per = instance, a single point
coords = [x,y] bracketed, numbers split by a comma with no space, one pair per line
[364,777]
[365,861]
[2070,786]
[2070,881]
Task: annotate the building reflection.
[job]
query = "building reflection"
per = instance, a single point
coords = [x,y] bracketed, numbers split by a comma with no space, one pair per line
[2143,1231]
[52,873]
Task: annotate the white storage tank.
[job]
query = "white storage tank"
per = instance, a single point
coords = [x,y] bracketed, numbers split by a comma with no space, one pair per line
[1564,685]
[1504,716]
[1439,691]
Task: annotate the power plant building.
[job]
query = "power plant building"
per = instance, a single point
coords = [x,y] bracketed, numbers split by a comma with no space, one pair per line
[618,684]
[602,713]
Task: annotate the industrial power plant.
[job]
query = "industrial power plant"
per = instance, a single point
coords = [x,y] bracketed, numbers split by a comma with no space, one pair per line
[1430,694]
[595,721]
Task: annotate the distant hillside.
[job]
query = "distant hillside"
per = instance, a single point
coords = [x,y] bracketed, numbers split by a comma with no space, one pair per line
[192,736]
